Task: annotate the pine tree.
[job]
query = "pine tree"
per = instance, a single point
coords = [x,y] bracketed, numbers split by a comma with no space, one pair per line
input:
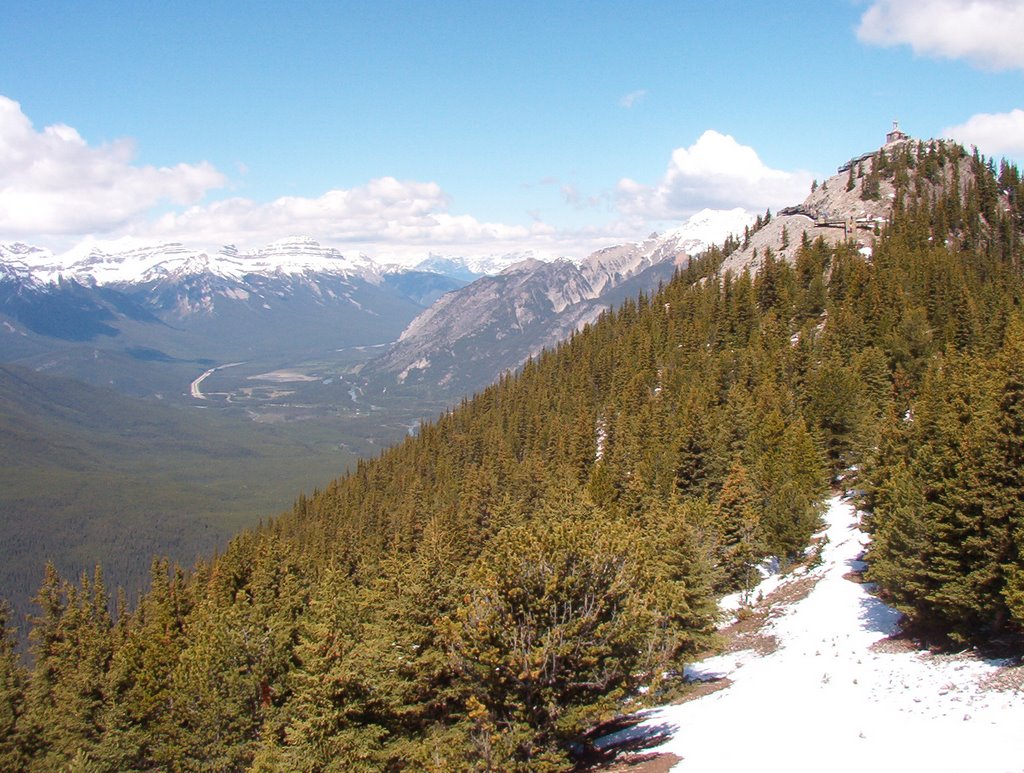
[742,545]
[71,642]
[139,714]
[554,631]
[326,719]
[789,474]
[45,641]
[1006,474]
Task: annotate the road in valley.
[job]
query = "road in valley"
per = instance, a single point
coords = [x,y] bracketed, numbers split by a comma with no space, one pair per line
[194,387]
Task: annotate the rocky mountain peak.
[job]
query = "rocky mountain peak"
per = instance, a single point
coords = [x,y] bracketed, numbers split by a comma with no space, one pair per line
[854,203]
[470,336]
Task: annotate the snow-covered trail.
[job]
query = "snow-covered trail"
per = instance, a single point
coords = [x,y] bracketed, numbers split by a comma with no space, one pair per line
[824,701]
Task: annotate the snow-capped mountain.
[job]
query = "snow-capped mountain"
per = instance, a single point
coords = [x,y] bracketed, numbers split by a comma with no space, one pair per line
[16,264]
[129,262]
[172,302]
[469,337]
[474,267]
[175,303]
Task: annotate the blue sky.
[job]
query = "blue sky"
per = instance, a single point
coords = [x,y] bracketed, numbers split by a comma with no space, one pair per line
[401,128]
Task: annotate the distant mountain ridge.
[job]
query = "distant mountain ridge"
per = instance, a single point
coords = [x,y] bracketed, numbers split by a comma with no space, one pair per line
[291,298]
[469,337]
[296,296]
[130,261]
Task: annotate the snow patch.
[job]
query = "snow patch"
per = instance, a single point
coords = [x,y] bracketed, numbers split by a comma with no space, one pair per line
[825,699]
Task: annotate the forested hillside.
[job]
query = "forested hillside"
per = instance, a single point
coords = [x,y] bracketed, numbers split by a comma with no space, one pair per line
[88,474]
[481,595]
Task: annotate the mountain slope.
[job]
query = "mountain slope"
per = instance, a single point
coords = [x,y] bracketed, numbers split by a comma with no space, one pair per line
[855,204]
[471,336]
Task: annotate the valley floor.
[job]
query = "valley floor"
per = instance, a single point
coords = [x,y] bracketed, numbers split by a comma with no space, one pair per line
[822,687]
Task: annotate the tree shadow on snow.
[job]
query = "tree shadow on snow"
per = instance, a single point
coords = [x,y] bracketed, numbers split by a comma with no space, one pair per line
[874,614]
[621,737]
[877,616]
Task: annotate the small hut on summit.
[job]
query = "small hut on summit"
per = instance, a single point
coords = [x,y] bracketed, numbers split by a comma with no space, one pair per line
[896,135]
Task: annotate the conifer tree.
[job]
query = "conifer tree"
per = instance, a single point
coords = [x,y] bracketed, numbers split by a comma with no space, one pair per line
[72,644]
[789,473]
[1006,474]
[739,518]
[325,721]
[555,630]
[45,638]
[140,729]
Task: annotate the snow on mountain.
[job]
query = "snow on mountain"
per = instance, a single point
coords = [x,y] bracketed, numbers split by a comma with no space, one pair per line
[472,267]
[296,290]
[299,255]
[131,261]
[128,261]
[612,265]
[16,263]
[707,227]
[831,695]
[472,335]
[292,294]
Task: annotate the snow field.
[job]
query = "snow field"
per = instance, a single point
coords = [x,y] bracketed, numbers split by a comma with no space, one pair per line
[824,700]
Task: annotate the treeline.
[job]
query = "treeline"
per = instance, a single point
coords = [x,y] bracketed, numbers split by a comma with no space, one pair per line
[945,485]
[481,595]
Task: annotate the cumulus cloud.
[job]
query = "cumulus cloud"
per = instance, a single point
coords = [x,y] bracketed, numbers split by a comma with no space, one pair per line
[986,33]
[632,98]
[53,182]
[715,172]
[994,134]
[56,187]
[385,214]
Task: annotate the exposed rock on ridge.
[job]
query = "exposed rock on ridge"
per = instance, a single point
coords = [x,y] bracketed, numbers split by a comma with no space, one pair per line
[469,337]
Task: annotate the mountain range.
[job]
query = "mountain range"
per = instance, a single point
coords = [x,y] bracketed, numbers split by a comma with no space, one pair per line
[470,336]
[155,307]
[106,312]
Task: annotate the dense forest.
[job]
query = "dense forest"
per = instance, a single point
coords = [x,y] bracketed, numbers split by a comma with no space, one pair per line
[549,553]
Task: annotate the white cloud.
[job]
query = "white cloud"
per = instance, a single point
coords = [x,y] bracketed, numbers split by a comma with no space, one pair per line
[53,182]
[994,134]
[987,33]
[632,98]
[386,215]
[54,186]
[715,172]
[55,189]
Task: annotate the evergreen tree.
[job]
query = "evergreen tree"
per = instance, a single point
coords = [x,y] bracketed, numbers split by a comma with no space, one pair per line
[71,642]
[139,715]
[556,629]
[742,544]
